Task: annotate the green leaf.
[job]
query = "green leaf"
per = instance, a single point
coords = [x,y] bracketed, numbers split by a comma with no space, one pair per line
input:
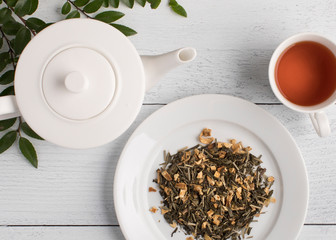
[7,141]
[22,7]
[7,91]
[45,25]
[22,38]
[109,16]
[4,60]
[93,6]
[11,28]
[66,8]
[81,3]
[11,3]
[177,8]
[73,14]
[125,30]
[5,14]
[5,124]
[114,3]
[7,77]
[35,24]
[106,3]
[28,150]
[154,3]
[12,41]
[33,6]
[128,3]
[1,42]
[25,7]
[142,2]
[27,130]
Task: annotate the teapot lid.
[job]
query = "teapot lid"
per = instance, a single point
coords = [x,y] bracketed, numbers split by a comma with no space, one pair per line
[79,83]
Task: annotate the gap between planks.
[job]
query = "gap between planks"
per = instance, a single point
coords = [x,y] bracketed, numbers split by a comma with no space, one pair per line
[162,104]
[107,225]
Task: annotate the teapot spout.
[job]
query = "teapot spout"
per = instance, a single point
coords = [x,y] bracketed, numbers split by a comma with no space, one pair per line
[156,66]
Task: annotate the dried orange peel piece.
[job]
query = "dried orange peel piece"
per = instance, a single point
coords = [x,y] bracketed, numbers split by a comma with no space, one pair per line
[153,209]
[205,136]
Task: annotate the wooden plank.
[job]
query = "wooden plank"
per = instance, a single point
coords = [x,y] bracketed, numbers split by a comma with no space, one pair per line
[64,233]
[74,187]
[114,233]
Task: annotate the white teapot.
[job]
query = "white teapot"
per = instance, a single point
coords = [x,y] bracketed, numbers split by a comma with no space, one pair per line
[80,83]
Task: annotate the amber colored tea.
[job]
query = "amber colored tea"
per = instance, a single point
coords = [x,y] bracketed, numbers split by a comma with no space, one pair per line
[306,73]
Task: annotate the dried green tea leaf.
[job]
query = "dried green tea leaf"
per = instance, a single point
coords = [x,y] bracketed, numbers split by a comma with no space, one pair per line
[28,150]
[66,8]
[27,130]
[7,141]
[109,16]
[125,30]
[213,195]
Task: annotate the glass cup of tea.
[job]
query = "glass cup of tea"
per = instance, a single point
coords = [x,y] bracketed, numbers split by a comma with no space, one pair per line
[302,74]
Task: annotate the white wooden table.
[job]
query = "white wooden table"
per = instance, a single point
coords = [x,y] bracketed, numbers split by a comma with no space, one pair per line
[70,195]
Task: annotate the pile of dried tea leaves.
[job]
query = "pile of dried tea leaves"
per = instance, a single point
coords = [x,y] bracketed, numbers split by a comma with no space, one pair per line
[213,191]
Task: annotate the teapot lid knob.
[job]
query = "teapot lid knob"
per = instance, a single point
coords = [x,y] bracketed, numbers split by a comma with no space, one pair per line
[76,82]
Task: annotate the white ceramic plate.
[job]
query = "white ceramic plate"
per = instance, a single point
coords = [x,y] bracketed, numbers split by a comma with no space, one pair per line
[177,125]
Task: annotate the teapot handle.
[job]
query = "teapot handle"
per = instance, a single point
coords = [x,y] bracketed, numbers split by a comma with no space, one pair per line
[8,107]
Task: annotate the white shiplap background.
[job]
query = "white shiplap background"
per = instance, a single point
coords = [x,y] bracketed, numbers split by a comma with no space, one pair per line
[70,195]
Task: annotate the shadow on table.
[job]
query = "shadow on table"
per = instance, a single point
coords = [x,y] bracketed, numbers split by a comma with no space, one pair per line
[252,75]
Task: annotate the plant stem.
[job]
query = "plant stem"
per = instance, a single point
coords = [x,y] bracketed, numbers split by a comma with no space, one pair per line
[21,18]
[79,9]
[18,130]
[10,49]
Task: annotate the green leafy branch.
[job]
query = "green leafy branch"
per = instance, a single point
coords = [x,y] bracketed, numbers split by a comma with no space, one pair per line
[16,32]
[76,8]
